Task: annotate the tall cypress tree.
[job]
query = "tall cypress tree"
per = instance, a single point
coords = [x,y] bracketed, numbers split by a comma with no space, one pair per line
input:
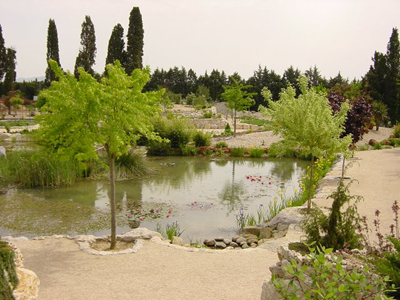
[52,51]
[87,53]
[3,55]
[135,43]
[11,74]
[116,46]
[392,81]
[375,79]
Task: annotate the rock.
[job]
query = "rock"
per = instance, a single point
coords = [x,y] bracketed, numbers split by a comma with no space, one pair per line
[252,241]
[85,238]
[233,244]
[262,241]
[177,241]
[3,151]
[235,238]
[252,230]
[229,248]
[372,142]
[28,286]
[245,246]
[219,239]
[386,142]
[290,215]
[209,243]
[4,136]
[280,234]
[253,245]
[240,240]
[220,245]
[269,291]
[265,233]
[243,243]
[227,241]
[140,233]
[282,227]
[186,245]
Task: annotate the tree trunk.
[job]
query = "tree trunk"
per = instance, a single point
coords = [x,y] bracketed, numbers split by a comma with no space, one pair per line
[343,165]
[310,185]
[112,201]
[234,124]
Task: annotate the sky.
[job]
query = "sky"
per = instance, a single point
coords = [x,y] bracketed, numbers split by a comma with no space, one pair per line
[229,35]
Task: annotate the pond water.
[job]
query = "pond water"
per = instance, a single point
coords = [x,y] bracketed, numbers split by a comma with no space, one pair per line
[202,194]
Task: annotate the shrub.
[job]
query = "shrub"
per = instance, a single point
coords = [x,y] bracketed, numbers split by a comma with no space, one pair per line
[339,230]
[396,131]
[256,152]
[10,281]
[177,131]
[7,127]
[201,138]
[238,152]
[228,130]
[324,276]
[130,163]
[207,115]
[155,148]
[254,121]
[33,168]
[377,146]
[221,144]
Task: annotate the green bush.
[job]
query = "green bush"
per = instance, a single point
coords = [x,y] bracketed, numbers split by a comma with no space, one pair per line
[339,230]
[238,152]
[155,148]
[201,138]
[377,146]
[7,127]
[228,130]
[34,168]
[221,144]
[396,131]
[254,121]
[177,131]
[325,277]
[208,115]
[7,264]
[256,152]
[131,163]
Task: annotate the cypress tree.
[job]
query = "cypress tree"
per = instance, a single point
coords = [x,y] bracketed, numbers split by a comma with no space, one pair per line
[116,46]
[87,53]
[11,74]
[3,55]
[52,51]
[392,80]
[374,80]
[134,42]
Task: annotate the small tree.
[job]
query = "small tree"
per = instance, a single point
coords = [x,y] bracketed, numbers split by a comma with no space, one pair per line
[16,102]
[238,98]
[81,114]
[380,112]
[52,51]
[306,123]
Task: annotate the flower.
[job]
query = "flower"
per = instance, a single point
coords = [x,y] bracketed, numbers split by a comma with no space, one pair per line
[168,216]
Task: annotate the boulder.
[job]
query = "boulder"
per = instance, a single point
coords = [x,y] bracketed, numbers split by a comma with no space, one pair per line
[139,233]
[227,241]
[290,215]
[253,245]
[235,238]
[265,233]
[240,240]
[282,227]
[279,234]
[209,243]
[177,241]
[219,239]
[220,245]
[252,230]
[233,244]
[372,142]
[245,246]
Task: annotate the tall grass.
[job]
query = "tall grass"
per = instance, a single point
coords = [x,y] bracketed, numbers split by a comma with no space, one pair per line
[238,152]
[35,168]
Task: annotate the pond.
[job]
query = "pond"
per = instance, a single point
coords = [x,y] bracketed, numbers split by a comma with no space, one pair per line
[202,194]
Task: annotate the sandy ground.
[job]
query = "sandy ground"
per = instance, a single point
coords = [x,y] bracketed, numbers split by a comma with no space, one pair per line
[154,272]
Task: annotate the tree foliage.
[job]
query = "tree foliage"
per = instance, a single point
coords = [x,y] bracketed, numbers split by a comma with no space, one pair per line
[87,53]
[52,51]
[306,123]
[135,35]
[116,46]
[81,114]
[11,74]
[392,80]
[3,55]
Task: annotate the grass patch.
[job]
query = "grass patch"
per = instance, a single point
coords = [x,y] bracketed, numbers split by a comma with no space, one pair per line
[238,152]
[254,121]
[256,152]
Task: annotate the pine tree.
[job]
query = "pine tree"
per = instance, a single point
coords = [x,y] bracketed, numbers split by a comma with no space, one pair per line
[374,80]
[392,80]
[11,74]
[3,55]
[52,51]
[135,43]
[116,46]
[87,54]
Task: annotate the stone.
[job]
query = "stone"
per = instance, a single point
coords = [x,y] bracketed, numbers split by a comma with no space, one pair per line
[252,241]
[372,142]
[253,245]
[245,246]
[219,239]
[240,240]
[234,239]
[269,292]
[279,234]
[290,215]
[233,244]
[243,243]
[141,233]
[262,241]
[282,227]
[210,243]
[220,245]
[227,241]
[252,230]
[176,240]
[28,286]
[229,248]
[265,233]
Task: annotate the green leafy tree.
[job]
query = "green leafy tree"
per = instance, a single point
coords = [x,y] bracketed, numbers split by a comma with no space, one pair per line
[52,51]
[82,114]
[306,123]
[238,98]
[314,77]
[290,78]
[11,74]
[3,55]
[87,53]
[16,102]
[135,42]
[116,46]
[392,80]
